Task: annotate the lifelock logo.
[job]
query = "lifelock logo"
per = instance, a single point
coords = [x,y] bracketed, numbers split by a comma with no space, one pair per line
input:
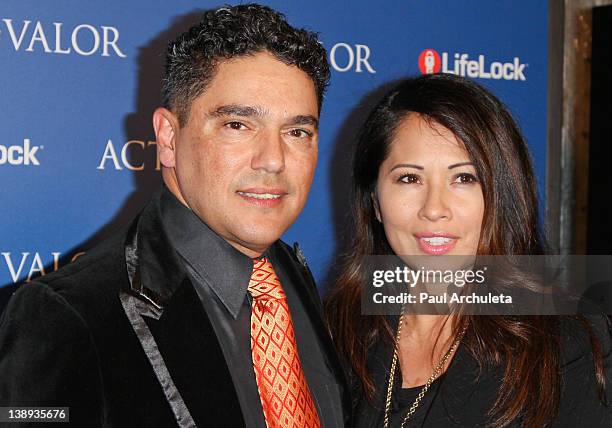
[430,62]
[20,155]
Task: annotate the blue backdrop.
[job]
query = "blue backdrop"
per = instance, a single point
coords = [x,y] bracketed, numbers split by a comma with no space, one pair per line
[79,81]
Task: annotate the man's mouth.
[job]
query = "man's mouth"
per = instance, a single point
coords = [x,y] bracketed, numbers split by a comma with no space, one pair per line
[260,195]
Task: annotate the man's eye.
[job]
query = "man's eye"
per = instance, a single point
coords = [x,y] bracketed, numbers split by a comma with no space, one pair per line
[238,126]
[466,178]
[300,133]
[409,178]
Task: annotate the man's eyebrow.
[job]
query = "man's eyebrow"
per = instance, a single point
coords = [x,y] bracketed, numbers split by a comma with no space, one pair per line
[407,165]
[250,111]
[306,119]
[237,110]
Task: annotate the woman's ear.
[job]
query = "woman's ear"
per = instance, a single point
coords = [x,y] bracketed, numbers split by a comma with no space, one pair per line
[375,204]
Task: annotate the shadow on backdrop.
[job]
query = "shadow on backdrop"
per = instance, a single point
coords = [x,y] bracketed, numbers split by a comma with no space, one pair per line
[137,126]
[341,175]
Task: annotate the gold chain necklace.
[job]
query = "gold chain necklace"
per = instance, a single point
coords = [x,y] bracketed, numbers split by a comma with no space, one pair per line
[434,375]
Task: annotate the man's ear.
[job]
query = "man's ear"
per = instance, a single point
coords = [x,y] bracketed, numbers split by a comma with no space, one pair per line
[165,124]
[375,204]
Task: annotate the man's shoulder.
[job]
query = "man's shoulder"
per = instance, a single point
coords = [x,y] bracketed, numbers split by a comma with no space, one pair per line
[88,285]
[101,270]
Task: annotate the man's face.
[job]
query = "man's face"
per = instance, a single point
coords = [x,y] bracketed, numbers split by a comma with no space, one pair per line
[245,159]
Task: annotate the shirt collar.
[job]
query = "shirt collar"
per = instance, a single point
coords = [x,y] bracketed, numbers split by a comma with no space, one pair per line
[220,266]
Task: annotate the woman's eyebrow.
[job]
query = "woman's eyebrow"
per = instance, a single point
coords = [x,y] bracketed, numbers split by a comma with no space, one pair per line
[455,165]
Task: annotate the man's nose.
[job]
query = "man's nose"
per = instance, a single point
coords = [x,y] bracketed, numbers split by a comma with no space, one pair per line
[269,153]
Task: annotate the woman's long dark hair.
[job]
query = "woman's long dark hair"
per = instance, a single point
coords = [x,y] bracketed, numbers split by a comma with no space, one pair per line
[526,348]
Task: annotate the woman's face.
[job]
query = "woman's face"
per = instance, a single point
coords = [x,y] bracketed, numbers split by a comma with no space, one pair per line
[428,196]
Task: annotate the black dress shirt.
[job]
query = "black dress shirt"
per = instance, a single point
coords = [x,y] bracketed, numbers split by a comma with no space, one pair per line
[221,275]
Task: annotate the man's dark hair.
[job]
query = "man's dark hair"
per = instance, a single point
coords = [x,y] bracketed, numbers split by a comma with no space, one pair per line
[236,31]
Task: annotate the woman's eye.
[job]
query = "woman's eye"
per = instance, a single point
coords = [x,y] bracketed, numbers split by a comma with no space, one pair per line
[409,178]
[466,178]
[237,126]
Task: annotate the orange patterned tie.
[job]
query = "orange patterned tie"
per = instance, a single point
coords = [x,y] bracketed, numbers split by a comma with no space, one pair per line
[283,390]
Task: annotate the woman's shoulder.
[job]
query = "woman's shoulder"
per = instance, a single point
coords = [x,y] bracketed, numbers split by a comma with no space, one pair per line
[582,336]
[586,367]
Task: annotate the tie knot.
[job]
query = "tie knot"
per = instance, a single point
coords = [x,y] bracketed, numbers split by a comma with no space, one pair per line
[264,284]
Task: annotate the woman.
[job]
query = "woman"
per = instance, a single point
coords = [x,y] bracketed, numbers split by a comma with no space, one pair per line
[440,167]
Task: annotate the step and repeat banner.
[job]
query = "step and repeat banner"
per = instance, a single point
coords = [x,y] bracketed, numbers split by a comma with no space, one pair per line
[79,81]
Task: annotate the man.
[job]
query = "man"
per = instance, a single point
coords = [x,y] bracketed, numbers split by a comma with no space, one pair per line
[197,315]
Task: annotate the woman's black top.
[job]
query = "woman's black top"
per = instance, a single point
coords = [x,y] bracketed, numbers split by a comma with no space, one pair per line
[463,395]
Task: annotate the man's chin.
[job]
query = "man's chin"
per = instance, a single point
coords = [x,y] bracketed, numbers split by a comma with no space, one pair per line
[255,243]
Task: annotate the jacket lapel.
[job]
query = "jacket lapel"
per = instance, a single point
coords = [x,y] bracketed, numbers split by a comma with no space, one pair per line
[173,328]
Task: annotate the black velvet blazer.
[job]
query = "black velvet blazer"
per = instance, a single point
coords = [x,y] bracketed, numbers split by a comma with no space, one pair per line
[121,337]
